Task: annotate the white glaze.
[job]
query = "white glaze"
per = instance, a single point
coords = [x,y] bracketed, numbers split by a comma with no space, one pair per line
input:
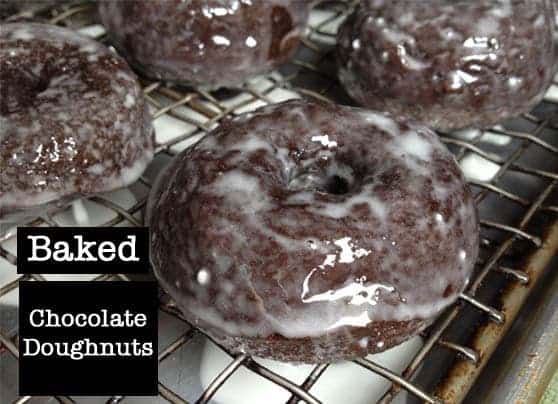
[343,209]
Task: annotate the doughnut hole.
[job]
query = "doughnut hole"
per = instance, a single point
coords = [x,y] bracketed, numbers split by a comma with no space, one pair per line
[20,87]
[55,84]
[334,178]
[337,185]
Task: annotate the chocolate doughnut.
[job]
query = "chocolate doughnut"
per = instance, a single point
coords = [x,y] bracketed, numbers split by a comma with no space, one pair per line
[213,43]
[313,233]
[73,121]
[449,64]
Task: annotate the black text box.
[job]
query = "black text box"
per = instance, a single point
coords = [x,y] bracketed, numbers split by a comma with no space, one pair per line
[122,371]
[85,250]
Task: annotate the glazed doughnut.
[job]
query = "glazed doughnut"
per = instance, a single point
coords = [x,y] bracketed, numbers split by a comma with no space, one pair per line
[312,233]
[73,121]
[449,64]
[213,43]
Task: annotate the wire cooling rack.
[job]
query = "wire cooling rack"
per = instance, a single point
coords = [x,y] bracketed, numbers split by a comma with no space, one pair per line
[512,169]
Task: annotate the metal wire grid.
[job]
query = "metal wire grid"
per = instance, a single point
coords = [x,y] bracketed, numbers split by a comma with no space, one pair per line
[504,239]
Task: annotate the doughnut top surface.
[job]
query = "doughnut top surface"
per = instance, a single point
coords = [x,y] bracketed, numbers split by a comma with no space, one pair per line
[72,117]
[302,219]
[205,42]
[448,63]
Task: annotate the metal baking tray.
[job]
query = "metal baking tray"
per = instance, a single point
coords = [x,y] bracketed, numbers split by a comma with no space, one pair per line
[513,171]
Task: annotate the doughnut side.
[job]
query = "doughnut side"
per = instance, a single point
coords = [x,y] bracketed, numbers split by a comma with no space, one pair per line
[449,64]
[332,347]
[312,227]
[212,43]
[73,121]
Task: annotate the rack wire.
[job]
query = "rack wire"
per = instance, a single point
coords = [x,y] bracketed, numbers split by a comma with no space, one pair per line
[516,245]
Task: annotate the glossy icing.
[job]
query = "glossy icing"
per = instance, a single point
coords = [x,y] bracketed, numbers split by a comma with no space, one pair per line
[312,221]
[450,64]
[72,117]
[205,42]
